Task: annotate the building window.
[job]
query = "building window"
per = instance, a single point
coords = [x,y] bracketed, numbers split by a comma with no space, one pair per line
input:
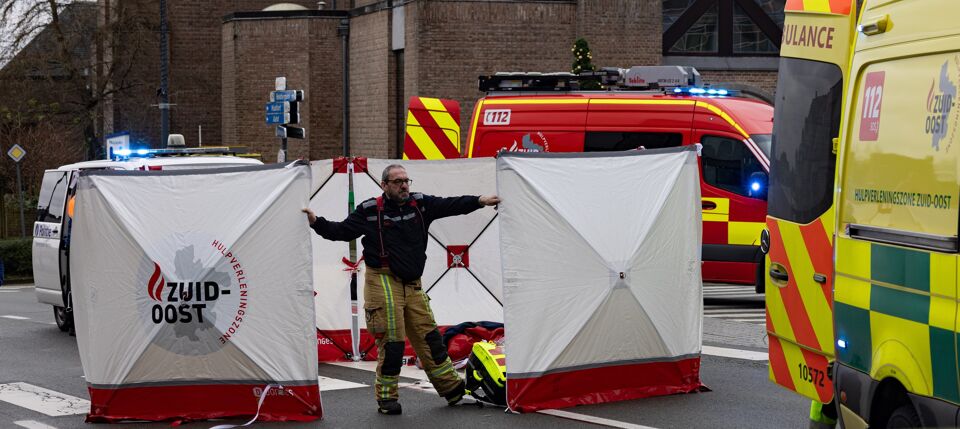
[722,27]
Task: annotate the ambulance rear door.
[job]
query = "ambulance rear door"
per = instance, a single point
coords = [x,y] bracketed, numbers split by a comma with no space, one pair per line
[815,52]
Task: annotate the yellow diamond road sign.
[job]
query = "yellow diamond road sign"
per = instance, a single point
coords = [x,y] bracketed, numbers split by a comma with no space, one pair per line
[16,153]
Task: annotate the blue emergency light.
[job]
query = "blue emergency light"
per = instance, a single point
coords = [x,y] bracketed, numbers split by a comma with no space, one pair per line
[701,91]
[755,186]
[841,343]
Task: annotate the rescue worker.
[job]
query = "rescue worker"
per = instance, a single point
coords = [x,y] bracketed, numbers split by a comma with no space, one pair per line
[394,228]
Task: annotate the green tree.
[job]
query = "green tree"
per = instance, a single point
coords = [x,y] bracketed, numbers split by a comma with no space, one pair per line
[582,62]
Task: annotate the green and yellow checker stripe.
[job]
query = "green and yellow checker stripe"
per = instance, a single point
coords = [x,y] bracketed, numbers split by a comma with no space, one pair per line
[896,312]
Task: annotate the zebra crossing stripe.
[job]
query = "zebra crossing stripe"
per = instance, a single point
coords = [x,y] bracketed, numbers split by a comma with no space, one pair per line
[32,424]
[36,398]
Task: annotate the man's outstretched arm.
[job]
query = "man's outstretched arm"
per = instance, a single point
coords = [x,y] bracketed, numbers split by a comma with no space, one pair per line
[351,228]
[453,206]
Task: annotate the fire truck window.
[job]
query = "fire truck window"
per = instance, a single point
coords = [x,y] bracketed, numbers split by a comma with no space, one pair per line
[606,141]
[728,164]
[51,200]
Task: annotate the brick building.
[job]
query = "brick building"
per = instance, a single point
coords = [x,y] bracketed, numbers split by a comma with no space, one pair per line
[225,54]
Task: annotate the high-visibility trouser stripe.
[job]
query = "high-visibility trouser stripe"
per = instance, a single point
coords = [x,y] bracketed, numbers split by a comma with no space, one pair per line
[426,303]
[387,383]
[444,368]
[391,311]
[790,322]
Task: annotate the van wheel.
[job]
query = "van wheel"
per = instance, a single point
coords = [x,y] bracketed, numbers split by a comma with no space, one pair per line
[64,322]
[760,284]
[904,417]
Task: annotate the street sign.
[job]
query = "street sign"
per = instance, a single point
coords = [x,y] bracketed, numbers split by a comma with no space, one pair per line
[282,131]
[16,153]
[287,95]
[278,118]
[278,107]
[296,132]
[280,83]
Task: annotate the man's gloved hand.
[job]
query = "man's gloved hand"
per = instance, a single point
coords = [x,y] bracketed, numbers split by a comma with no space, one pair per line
[311,217]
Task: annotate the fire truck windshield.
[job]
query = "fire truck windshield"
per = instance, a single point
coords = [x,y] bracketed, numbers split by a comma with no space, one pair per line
[763,141]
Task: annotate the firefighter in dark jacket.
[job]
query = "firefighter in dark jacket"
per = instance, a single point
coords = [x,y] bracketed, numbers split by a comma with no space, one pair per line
[394,229]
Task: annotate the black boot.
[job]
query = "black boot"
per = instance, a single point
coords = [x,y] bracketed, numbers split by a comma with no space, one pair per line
[390,407]
[454,396]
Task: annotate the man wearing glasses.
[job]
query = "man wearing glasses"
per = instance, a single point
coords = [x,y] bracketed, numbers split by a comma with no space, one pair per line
[394,229]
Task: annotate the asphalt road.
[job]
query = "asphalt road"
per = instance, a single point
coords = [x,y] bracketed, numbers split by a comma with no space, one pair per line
[33,351]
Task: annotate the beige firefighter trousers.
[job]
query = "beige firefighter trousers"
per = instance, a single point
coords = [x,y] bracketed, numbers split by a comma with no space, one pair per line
[395,309]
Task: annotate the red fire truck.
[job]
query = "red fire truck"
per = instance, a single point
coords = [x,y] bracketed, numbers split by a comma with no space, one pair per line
[623,109]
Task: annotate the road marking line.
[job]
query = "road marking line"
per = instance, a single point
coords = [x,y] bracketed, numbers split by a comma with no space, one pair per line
[36,398]
[327,384]
[592,419]
[32,424]
[734,353]
[8,316]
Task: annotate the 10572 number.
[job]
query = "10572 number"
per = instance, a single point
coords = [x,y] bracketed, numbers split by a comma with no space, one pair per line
[812,375]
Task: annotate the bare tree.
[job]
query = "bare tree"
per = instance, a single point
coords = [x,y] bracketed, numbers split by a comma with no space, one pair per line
[76,55]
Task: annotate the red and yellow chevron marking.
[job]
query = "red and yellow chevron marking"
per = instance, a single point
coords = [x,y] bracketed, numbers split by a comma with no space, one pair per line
[800,311]
[837,7]
[433,129]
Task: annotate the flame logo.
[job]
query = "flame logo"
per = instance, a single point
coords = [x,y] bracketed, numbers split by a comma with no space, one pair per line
[155,285]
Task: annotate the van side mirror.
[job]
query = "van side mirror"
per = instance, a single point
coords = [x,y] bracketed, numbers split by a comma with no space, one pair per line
[757,185]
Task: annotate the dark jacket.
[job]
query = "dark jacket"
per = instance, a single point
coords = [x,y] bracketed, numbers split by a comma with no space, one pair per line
[404,229]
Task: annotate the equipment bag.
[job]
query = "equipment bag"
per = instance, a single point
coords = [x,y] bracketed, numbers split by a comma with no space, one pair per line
[487,373]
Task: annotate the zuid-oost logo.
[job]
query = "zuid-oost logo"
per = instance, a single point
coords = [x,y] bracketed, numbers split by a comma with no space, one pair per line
[940,100]
[198,301]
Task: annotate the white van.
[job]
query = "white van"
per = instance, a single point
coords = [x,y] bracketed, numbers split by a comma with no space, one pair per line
[51,231]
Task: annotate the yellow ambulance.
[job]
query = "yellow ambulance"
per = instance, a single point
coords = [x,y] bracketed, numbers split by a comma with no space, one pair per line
[895,296]
[893,284]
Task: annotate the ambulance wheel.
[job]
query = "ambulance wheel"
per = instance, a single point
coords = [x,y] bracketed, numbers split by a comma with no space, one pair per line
[904,417]
[64,322]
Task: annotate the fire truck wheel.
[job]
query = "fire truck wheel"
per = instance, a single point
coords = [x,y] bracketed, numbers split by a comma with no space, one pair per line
[64,322]
[904,417]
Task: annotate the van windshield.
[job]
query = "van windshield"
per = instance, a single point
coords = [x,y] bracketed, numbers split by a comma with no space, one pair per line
[763,141]
[806,118]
